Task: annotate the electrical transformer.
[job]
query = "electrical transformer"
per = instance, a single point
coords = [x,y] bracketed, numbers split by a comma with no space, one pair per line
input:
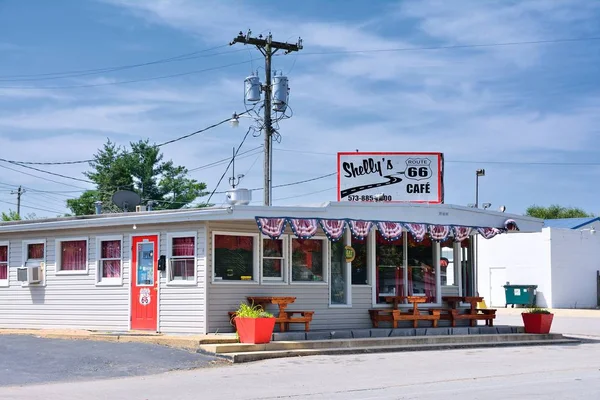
[280,93]
[252,89]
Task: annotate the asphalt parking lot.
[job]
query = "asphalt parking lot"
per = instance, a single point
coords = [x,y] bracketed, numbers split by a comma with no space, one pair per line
[26,360]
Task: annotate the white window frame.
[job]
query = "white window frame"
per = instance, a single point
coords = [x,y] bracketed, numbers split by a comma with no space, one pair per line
[170,237]
[284,261]
[24,251]
[58,256]
[6,282]
[326,261]
[107,281]
[256,248]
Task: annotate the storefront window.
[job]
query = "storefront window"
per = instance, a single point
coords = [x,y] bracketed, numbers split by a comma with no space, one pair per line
[359,265]
[273,259]
[307,260]
[421,269]
[233,257]
[389,264]
[467,252]
[339,277]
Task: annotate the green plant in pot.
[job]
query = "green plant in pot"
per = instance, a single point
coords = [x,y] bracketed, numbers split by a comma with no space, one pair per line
[537,320]
[253,324]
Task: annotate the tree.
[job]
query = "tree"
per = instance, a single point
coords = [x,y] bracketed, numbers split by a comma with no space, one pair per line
[13,216]
[142,170]
[555,211]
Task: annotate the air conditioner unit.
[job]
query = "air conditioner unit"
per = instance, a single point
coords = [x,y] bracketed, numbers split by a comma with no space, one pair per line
[30,274]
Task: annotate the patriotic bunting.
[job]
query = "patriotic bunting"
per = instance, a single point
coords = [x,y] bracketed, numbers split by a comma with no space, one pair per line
[461,233]
[304,228]
[271,227]
[360,229]
[439,233]
[390,230]
[511,225]
[333,228]
[418,231]
[488,233]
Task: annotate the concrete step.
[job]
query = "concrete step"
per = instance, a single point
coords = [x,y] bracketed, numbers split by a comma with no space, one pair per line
[375,342]
[242,357]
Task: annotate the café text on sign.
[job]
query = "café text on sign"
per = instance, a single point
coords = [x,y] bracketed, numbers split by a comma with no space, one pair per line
[391,177]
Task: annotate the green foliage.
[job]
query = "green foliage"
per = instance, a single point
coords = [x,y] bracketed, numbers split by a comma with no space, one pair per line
[140,169]
[252,311]
[538,310]
[555,211]
[13,216]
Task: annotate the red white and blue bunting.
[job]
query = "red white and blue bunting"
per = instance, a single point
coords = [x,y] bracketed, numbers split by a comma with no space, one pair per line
[306,228]
[271,227]
[333,228]
[461,233]
[418,231]
[390,230]
[439,233]
[360,229]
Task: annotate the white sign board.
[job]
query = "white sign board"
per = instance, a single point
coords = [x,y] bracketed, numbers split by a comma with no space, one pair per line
[391,177]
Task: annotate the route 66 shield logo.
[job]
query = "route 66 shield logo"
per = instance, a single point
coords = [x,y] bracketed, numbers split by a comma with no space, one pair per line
[418,168]
[145,296]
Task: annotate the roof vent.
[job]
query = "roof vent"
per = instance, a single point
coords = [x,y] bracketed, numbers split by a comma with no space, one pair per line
[239,197]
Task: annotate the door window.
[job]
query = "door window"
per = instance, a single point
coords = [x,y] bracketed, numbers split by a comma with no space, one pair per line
[145,264]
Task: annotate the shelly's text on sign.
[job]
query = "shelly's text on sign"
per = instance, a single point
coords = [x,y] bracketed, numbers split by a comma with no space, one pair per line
[391,177]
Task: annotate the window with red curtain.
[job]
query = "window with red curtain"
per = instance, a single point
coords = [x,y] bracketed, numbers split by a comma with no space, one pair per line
[233,257]
[183,259]
[35,251]
[110,259]
[307,260]
[73,255]
[3,262]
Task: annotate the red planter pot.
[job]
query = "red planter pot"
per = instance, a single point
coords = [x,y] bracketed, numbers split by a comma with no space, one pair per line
[255,330]
[537,323]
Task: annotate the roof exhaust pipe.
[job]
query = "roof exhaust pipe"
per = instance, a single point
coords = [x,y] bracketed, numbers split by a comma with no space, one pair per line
[98,205]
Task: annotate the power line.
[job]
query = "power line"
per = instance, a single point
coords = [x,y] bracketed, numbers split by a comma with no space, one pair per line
[215,163]
[33,208]
[41,177]
[75,74]
[47,172]
[450,47]
[250,129]
[295,183]
[129,81]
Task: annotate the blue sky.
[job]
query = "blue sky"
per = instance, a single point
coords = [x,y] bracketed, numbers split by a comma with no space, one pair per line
[510,109]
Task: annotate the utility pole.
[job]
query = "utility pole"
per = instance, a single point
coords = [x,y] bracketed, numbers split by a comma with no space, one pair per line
[267,46]
[19,193]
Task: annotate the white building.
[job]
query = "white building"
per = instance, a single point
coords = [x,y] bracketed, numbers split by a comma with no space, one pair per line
[563,260]
[184,270]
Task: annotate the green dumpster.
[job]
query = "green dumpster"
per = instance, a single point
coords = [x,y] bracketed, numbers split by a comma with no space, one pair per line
[520,294]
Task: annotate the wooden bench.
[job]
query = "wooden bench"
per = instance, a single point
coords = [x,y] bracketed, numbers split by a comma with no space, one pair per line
[485,314]
[395,314]
[305,317]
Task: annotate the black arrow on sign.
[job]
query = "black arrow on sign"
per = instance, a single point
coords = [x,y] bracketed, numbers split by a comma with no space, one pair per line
[392,181]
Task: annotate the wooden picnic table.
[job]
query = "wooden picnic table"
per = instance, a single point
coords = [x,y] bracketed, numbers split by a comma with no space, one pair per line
[472,313]
[395,314]
[284,317]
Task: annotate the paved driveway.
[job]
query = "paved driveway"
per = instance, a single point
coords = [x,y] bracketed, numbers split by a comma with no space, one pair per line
[30,360]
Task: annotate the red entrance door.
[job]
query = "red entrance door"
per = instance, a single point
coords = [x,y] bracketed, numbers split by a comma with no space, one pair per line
[144,283]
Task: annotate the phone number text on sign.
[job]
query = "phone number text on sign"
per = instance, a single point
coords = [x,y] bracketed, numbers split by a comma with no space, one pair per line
[390,177]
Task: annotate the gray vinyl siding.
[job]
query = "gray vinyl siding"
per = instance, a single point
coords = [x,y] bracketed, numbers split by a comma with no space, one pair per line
[224,297]
[76,302]
[182,307]
[66,301]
